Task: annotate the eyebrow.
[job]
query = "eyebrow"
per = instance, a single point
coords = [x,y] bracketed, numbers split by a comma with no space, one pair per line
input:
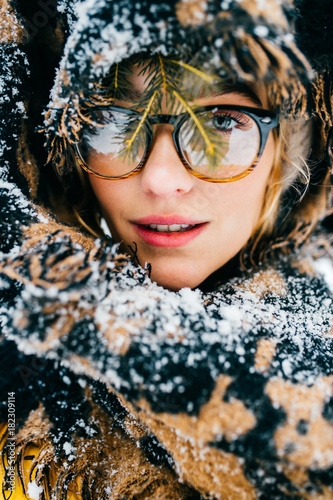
[219,89]
[236,88]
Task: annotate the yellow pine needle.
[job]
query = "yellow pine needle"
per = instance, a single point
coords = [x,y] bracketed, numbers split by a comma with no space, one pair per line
[209,145]
[163,73]
[201,74]
[116,77]
[141,122]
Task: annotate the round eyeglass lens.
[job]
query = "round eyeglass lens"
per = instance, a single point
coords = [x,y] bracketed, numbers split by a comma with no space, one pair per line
[220,144]
[113,144]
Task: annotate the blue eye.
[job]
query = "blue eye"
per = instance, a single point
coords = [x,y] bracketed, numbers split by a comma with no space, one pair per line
[228,121]
[223,122]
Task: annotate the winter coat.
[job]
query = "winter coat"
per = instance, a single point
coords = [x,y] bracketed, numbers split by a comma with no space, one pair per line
[111,386]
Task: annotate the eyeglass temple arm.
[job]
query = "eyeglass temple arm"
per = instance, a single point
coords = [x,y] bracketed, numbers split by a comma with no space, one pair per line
[329,152]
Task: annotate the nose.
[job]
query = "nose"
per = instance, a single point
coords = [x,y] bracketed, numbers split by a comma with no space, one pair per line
[164,174]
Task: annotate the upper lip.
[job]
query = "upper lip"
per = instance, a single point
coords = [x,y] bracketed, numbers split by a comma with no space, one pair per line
[167,220]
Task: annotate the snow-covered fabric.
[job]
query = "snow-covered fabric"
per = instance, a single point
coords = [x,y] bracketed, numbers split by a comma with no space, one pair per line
[124,389]
[232,388]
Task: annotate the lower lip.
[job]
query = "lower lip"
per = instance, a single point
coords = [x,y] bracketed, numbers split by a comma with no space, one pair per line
[176,239]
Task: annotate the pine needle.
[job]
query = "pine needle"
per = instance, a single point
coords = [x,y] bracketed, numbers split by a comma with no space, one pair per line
[141,122]
[163,73]
[201,74]
[116,77]
[210,148]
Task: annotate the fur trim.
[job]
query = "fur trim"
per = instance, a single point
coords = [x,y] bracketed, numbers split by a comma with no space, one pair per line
[110,460]
[119,328]
[13,91]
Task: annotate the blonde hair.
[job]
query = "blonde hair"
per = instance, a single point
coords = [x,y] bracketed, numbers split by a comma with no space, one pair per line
[290,169]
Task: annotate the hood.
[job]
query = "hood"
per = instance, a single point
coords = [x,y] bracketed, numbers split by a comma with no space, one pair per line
[244,40]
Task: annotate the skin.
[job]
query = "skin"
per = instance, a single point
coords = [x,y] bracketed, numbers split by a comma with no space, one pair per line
[164,187]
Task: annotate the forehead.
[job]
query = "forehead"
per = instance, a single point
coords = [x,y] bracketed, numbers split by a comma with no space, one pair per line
[219,91]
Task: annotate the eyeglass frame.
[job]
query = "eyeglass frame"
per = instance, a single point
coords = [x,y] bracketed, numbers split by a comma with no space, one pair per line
[329,152]
[265,120]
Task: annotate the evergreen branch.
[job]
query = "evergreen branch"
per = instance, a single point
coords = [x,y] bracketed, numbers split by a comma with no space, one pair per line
[115,85]
[141,122]
[209,145]
[200,74]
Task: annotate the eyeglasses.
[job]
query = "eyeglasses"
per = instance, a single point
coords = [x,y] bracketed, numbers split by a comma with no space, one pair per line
[214,143]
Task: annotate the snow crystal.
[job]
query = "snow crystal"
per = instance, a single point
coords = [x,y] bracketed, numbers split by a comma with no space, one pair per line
[69,449]
[4,284]
[21,107]
[261,31]
[240,350]
[167,387]
[105,228]
[193,358]
[189,406]
[90,431]
[288,38]
[191,300]
[324,267]
[225,4]
[61,7]
[34,491]
[231,313]
[82,383]
[42,218]
[218,43]
[66,380]
[287,367]
[113,376]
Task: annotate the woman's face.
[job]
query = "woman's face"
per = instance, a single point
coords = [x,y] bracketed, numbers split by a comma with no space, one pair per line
[151,207]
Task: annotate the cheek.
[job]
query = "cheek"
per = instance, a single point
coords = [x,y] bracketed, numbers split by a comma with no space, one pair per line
[113,198]
[238,205]
[108,193]
[246,196]
[259,179]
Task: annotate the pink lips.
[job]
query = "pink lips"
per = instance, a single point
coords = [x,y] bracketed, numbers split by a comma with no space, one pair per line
[167,239]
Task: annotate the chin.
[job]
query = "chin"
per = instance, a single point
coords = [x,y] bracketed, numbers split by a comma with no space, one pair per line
[174,279]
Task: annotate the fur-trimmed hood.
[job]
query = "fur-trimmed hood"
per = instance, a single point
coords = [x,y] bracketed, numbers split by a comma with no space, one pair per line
[110,32]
